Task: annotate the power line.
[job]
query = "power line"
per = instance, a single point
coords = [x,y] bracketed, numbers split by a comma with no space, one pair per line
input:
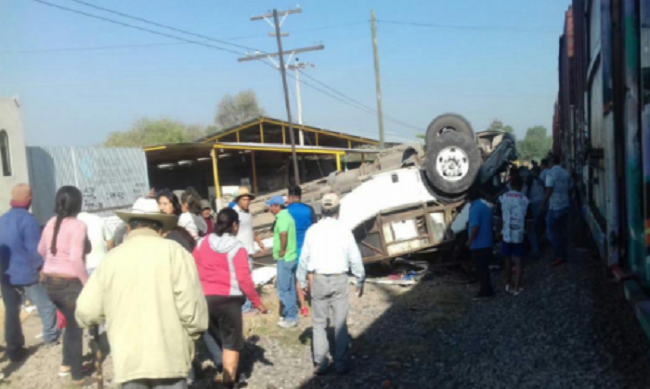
[361,107]
[94,48]
[122,14]
[306,29]
[135,27]
[352,102]
[366,107]
[471,27]
[150,45]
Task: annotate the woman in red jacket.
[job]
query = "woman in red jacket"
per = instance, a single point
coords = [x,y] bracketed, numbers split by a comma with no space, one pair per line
[223,269]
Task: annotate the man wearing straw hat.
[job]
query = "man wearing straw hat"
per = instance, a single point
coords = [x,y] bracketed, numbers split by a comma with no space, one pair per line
[149,293]
[245,234]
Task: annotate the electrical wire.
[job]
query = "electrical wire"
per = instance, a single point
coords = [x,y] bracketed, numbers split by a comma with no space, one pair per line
[345,99]
[149,45]
[95,48]
[470,27]
[306,29]
[362,108]
[136,27]
[390,118]
[139,19]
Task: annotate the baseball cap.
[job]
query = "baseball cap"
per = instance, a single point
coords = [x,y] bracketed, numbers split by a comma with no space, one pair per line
[330,200]
[276,200]
[205,204]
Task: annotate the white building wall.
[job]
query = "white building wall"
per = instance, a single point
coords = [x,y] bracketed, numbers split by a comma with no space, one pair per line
[11,122]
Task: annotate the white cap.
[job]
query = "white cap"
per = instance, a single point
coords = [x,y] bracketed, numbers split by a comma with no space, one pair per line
[330,200]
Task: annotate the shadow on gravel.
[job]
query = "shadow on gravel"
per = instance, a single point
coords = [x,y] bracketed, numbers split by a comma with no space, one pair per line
[570,328]
[15,366]
[394,347]
[252,353]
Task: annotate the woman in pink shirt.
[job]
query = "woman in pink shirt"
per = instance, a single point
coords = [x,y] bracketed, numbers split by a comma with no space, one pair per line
[223,269]
[63,246]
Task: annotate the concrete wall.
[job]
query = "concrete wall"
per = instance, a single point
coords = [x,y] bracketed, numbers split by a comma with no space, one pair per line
[11,121]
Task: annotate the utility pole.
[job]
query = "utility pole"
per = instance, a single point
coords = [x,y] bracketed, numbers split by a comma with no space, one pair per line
[297,67]
[380,114]
[281,65]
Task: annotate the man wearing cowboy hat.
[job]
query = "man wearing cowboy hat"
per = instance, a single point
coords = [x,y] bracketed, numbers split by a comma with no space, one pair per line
[149,293]
[245,234]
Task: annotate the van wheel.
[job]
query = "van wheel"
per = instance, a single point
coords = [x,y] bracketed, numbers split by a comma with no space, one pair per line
[453,161]
[449,122]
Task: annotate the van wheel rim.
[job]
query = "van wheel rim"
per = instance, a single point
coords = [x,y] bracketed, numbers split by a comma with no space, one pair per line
[452,163]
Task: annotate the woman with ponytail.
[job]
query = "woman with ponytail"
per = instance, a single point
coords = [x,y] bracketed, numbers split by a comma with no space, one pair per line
[63,246]
[222,264]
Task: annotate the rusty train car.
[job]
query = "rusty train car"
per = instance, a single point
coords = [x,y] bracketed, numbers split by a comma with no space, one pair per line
[601,130]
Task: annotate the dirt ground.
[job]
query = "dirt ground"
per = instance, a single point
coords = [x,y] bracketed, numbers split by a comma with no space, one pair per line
[268,347]
[570,328]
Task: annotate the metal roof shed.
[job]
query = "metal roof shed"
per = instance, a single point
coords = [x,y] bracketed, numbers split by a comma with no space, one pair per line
[266,130]
[224,153]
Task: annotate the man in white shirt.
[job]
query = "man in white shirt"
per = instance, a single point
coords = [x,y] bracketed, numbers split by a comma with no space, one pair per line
[558,186]
[245,234]
[100,237]
[329,253]
[514,207]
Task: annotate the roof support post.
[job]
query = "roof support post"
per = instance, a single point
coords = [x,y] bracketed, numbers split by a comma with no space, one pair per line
[237,136]
[261,132]
[316,139]
[284,136]
[215,173]
[338,162]
[254,173]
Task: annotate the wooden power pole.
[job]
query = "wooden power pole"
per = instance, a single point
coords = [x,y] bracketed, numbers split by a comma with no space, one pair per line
[281,65]
[380,114]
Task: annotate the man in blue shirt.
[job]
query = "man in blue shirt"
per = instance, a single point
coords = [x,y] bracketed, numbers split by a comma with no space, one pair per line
[304,216]
[20,264]
[480,241]
[558,188]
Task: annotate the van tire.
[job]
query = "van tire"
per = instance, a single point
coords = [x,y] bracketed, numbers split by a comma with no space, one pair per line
[449,121]
[452,163]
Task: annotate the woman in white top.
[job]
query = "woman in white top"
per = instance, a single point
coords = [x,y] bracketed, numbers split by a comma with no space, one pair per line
[191,218]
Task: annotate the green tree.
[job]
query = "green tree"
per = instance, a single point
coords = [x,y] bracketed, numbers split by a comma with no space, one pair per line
[497,125]
[535,145]
[149,132]
[233,110]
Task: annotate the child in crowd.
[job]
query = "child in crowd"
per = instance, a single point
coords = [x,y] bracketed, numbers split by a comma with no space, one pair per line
[514,208]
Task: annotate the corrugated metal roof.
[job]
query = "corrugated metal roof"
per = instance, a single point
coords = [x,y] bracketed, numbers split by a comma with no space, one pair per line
[259,119]
[301,148]
[108,178]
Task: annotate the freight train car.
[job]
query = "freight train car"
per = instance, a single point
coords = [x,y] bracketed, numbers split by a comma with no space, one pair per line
[602,133]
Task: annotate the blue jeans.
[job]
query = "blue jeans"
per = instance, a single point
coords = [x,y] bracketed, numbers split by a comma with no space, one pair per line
[248,305]
[556,220]
[287,289]
[214,350]
[533,234]
[12,298]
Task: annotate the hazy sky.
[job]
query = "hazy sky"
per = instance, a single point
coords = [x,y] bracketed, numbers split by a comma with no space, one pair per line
[484,59]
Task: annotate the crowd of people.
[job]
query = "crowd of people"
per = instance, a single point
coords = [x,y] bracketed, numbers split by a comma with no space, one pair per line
[533,197]
[171,275]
